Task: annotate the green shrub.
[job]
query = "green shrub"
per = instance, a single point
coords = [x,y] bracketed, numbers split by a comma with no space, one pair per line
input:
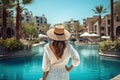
[37,40]
[12,44]
[109,45]
[117,46]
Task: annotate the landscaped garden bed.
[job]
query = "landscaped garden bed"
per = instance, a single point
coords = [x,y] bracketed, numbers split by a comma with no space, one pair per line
[110,47]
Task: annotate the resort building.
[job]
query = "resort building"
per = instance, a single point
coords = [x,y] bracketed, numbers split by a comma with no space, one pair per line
[27,16]
[39,21]
[105,26]
[93,26]
[89,22]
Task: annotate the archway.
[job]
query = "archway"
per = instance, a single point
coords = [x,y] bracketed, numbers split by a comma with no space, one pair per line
[118,31]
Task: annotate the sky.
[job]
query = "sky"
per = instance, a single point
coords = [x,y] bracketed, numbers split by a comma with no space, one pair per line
[58,11]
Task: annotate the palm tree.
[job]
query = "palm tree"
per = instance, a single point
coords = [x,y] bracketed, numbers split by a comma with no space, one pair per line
[99,10]
[5,5]
[18,15]
[112,21]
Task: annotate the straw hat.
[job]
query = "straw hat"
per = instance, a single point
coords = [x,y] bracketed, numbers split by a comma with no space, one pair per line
[58,33]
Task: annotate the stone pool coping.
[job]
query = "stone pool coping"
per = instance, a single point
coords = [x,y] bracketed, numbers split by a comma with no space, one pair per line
[109,55]
[37,44]
[25,53]
[81,43]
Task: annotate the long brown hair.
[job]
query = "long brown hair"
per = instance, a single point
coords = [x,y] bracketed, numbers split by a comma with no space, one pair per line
[59,47]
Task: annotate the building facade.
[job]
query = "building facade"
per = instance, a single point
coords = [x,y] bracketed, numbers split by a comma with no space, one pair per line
[89,22]
[92,25]
[39,21]
[106,26]
[28,17]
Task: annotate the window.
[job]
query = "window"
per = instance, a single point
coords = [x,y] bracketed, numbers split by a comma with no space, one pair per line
[38,21]
[41,19]
[95,28]
[37,27]
[118,18]
[27,17]
[27,20]
[102,28]
[26,13]
[41,22]
[37,24]
[108,21]
[22,18]
[102,34]
[45,22]
[37,17]
[109,30]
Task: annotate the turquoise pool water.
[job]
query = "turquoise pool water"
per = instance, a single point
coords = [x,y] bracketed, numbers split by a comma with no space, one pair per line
[92,67]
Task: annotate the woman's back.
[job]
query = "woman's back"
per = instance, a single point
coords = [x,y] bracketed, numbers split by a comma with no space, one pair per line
[53,58]
[56,55]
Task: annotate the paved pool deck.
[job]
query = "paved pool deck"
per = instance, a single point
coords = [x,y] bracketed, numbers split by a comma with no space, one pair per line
[116,77]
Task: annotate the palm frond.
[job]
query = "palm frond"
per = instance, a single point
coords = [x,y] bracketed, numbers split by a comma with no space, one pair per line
[95,11]
[104,11]
[99,10]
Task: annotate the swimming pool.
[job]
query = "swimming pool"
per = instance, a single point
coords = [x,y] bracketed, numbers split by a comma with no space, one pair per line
[92,67]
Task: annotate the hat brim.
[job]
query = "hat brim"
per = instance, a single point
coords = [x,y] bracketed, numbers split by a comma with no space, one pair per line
[53,36]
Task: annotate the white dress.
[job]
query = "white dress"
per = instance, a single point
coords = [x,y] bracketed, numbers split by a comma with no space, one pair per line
[56,68]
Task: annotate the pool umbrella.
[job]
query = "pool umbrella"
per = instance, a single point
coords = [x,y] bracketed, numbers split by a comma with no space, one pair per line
[105,37]
[85,34]
[94,35]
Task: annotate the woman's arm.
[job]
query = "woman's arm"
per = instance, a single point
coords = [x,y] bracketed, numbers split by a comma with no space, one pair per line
[75,56]
[45,64]
[45,75]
